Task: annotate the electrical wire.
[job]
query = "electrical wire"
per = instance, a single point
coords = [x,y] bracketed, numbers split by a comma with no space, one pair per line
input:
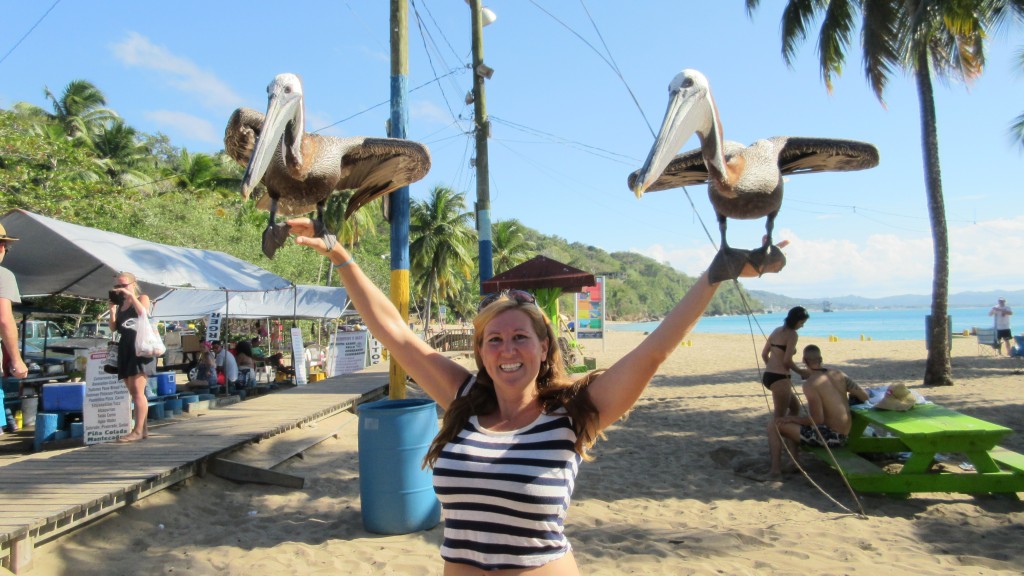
[22,39]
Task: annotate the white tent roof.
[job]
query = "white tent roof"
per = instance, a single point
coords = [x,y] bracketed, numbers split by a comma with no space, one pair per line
[303,302]
[54,257]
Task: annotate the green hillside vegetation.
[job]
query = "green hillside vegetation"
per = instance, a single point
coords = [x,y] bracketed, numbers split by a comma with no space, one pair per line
[82,164]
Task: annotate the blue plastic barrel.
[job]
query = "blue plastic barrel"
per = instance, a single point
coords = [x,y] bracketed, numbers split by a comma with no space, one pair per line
[396,494]
[46,429]
[173,406]
[156,411]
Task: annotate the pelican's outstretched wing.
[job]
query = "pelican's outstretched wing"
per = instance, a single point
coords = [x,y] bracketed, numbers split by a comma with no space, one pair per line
[684,170]
[240,135]
[376,166]
[798,155]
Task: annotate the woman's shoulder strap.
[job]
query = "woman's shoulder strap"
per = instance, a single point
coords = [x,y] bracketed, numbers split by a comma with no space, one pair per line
[465,387]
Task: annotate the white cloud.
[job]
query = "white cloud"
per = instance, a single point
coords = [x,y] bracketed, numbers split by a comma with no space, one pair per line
[181,73]
[429,112]
[985,256]
[187,125]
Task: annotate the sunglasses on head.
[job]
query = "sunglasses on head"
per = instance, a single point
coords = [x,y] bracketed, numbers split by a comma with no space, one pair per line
[520,296]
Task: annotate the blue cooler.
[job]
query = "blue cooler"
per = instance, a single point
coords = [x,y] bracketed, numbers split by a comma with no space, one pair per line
[165,384]
[64,397]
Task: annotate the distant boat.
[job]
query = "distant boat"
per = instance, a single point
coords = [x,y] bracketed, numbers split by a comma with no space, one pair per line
[826,306]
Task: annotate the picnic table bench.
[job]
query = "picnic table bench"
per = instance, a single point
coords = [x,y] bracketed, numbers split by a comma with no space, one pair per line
[925,431]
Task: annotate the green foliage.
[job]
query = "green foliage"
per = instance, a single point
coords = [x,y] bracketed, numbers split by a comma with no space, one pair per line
[440,245]
[54,177]
[510,247]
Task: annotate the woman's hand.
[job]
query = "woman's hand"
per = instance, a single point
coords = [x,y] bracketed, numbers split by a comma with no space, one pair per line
[775,261]
[302,229]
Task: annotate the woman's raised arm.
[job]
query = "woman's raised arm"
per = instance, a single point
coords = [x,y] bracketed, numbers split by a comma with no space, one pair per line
[439,376]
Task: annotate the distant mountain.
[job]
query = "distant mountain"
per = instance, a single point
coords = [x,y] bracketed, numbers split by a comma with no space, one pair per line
[958,300]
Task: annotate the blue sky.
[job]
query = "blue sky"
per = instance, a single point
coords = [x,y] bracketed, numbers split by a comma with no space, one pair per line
[565,130]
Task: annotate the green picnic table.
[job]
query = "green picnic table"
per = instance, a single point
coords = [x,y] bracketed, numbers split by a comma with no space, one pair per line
[923,432]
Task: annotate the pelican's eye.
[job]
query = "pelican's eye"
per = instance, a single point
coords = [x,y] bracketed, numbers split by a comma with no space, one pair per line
[287,89]
[687,82]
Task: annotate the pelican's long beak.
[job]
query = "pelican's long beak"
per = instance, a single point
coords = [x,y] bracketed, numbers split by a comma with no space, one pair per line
[688,111]
[284,106]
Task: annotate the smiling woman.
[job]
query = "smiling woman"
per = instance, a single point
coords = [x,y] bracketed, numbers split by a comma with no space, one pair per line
[516,431]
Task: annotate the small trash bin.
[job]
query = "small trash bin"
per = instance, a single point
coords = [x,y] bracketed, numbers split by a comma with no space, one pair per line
[396,493]
[29,407]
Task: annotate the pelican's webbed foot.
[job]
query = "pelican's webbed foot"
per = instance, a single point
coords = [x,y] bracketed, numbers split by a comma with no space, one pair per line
[728,264]
[274,236]
[767,258]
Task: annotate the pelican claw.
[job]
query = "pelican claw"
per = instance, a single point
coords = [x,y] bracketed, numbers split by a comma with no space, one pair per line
[728,264]
[274,236]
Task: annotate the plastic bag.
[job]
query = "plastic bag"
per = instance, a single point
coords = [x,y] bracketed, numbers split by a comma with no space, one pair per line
[148,343]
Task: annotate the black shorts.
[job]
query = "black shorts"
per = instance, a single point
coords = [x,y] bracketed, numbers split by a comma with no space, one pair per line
[769,378]
[833,439]
[1004,334]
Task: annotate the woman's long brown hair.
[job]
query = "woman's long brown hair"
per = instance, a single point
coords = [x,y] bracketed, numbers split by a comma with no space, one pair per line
[555,387]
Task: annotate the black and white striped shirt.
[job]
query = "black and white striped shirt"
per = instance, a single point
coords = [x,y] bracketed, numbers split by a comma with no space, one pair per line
[505,495]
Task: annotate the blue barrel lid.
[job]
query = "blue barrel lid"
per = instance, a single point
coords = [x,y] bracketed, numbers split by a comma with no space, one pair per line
[407,404]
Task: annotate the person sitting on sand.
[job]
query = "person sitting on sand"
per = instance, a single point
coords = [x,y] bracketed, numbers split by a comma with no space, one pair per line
[515,431]
[828,418]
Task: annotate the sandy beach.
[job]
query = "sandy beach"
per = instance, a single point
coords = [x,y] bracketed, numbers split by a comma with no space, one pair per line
[677,488]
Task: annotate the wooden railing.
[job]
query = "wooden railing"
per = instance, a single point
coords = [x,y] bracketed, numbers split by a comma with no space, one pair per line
[453,339]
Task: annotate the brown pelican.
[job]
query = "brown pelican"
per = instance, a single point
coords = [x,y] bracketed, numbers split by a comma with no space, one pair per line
[301,170]
[744,182]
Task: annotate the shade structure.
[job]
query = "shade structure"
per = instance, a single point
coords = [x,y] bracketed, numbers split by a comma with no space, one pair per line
[55,257]
[308,302]
[540,272]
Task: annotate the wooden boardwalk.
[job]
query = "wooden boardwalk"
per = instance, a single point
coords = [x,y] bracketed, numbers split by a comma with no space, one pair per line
[42,498]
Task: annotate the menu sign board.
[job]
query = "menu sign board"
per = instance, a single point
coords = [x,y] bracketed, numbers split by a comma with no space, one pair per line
[106,414]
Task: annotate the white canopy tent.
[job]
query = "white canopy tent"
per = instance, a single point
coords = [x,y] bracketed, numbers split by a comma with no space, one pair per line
[311,302]
[55,257]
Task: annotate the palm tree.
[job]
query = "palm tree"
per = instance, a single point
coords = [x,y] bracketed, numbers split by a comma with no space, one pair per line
[80,108]
[511,248]
[1017,128]
[361,222]
[440,241]
[119,151]
[923,37]
[201,173]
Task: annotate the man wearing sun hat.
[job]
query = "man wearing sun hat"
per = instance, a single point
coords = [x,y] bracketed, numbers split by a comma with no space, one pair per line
[13,364]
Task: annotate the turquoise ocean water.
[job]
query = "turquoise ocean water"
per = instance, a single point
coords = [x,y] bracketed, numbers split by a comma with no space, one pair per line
[887,324]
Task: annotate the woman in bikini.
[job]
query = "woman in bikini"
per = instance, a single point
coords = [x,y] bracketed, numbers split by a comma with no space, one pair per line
[778,358]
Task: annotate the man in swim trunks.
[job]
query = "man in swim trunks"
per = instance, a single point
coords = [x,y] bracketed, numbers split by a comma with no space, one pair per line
[827,421]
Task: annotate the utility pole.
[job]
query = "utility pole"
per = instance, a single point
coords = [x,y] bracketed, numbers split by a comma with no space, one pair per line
[483,129]
[399,200]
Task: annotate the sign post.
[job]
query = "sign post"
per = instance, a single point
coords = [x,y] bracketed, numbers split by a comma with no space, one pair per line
[349,352]
[590,307]
[106,414]
[298,357]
